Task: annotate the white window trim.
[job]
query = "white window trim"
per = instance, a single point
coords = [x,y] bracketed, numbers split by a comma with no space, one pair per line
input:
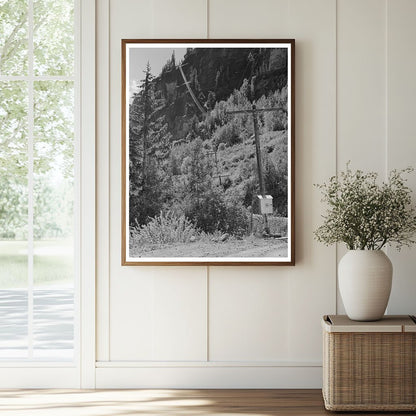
[31,78]
[87,181]
[80,373]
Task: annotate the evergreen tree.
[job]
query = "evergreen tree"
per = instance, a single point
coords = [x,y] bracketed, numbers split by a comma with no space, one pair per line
[211,101]
[149,150]
[141,176]
[202,201]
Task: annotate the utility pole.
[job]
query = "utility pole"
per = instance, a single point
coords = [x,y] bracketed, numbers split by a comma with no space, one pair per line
[258,151]
[254,111]
[260,165]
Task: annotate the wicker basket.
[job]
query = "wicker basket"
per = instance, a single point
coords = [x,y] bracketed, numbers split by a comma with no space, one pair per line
[369,366]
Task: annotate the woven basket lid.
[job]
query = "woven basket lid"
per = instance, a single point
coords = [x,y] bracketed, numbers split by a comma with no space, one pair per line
[390,323]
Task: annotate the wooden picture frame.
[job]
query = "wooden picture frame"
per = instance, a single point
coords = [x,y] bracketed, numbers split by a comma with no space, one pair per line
[208,152]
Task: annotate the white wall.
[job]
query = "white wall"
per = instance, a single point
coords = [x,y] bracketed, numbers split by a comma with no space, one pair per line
[254,326]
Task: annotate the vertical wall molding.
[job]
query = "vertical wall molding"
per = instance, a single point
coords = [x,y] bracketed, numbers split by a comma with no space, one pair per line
[103,180]
[386,68]
[386,5]
[336,143]
[207,312]
[208,22]
[88,202]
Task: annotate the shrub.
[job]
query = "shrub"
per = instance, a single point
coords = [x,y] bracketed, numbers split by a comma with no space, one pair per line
[207,210]
[274,120]
[227,134]
[211,213]
[165,228]
[237,219]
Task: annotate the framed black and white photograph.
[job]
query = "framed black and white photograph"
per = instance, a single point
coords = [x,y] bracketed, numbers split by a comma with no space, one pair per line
[208,152]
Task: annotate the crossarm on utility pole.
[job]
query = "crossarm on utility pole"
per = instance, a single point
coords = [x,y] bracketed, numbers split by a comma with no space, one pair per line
[260,110]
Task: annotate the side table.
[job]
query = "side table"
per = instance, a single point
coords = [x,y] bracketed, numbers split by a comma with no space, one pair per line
[369,366]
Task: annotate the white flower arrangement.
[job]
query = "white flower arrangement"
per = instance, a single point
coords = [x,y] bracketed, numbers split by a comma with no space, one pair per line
[365,215]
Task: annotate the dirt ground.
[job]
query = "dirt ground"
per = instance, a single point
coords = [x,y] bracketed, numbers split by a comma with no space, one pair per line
[248,247]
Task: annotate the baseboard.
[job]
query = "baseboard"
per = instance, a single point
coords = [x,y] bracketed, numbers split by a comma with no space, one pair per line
[209,377]
[38,378]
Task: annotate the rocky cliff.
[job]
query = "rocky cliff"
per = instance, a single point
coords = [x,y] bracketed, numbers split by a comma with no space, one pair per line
[213,74]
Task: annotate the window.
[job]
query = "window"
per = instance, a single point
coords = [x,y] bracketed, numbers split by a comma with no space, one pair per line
[38,184]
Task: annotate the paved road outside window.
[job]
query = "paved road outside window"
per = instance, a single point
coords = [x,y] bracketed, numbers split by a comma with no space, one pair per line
[53,324]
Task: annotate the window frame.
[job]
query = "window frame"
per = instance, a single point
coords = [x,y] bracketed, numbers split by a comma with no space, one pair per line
[81,371]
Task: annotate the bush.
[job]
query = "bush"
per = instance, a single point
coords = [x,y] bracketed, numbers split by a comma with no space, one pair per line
[166,228]
[237,219]
[211,214]
[274,120]
[227,134]
[206,211]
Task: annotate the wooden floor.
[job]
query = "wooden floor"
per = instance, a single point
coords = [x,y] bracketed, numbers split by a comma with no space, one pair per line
[164,402]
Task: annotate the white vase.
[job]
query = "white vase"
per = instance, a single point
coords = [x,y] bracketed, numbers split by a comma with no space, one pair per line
[364,278]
